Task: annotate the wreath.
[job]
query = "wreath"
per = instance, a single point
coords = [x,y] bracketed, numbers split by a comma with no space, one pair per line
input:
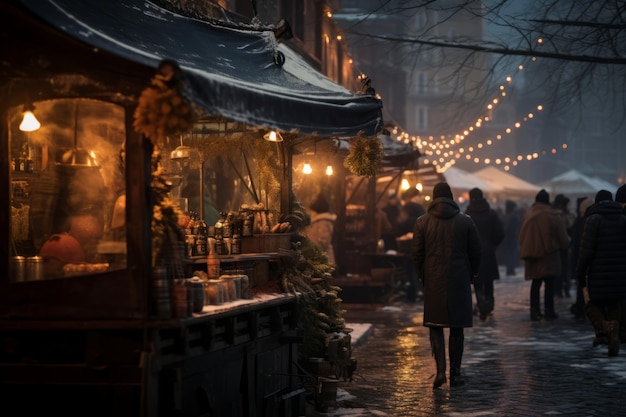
[163,108]
[365,156]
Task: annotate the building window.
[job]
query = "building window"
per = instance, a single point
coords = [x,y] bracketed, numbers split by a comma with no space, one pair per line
[421,117]
[420,20]
[421,83]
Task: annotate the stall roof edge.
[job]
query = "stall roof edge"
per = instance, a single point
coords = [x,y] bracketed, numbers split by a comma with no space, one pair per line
[231,72]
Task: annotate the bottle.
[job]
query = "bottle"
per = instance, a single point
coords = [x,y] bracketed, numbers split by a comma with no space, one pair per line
[201,239]
[228,226]
[219,229]
[236,245]
[213,261]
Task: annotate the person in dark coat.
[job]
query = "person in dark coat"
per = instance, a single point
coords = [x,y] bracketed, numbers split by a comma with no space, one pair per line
[562,282]
[576,234]
[602,267]
[542,237]
[446,250]
[510,246]
[620,197]
[392,212]
[491,232]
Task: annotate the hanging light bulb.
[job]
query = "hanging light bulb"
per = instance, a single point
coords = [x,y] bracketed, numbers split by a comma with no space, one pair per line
[273,136]
[306,169]
[329,170]
[29,121]
[405,184]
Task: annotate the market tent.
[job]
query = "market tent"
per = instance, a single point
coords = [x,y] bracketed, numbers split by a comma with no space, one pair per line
[462,181]
[575,183]
[233,70]
[511,187]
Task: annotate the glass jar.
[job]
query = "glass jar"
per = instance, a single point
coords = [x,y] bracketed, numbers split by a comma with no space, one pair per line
[213,292]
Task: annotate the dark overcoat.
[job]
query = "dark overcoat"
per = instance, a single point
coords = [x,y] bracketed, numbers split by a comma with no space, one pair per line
[602,256]
[491,231]
[446,251]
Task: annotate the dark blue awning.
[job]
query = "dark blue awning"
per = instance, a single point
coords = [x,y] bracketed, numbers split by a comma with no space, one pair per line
[231,71]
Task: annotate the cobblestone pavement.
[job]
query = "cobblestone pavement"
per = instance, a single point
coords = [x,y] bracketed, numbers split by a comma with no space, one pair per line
[512,366]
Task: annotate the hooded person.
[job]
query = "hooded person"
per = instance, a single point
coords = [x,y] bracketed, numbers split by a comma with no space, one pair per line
[620,195]
[512,221]
[562,281]
[601,268]
[576,234]
[542,237]
[322,226]
[491,231]
[446,250]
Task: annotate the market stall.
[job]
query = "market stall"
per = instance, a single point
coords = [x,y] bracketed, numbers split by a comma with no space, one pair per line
[135,119]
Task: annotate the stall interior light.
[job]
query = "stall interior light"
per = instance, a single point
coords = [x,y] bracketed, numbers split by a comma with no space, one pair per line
[29,121]
[306,168]
[273,136]
[77,157]
[329,170]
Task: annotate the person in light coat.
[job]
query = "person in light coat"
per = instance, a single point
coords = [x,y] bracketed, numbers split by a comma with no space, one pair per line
[542,237]
[322,226]
[446,250]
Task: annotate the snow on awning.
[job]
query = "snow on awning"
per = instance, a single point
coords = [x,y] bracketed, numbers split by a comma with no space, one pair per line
[231,71]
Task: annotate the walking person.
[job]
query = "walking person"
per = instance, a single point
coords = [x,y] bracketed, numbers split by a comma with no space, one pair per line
[620,197]
[322,226]
[576,233]
[542,237]
[602,267]
[510,246]
[561,282]
[446,250]
[491,233]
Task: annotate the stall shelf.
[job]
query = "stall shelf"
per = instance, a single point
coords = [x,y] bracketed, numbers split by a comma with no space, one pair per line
[89,343]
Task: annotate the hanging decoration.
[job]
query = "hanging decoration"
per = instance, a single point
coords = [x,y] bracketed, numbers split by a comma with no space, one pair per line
[365,156]
[164,108]
[167,236]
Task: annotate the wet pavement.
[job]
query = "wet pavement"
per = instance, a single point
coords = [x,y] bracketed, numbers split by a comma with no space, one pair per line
[512,366]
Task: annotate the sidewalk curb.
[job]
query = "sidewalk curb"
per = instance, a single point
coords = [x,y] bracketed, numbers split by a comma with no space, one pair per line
[360,333]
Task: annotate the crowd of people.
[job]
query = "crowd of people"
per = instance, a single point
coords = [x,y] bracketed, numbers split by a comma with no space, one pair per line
[456,255]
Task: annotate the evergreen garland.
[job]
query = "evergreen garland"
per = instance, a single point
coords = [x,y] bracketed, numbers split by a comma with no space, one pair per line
[319,306]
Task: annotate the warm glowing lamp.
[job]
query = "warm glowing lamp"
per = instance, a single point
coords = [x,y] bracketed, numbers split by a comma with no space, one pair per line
[29,121]
[273,136]
[306,169]
[329,170]
[405,184]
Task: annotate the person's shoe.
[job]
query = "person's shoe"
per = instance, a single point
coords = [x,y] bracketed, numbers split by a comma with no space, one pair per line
[551,316]
[536,316]
[600,340]
[456,379]
[440,379]
[611,328]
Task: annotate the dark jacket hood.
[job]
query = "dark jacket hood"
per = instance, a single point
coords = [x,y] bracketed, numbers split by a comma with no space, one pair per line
[443,208]
[477,206]
[609,209]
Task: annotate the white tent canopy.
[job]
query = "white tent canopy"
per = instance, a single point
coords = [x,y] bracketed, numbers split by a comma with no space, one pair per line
[461,181]
[509,186]
[575,183]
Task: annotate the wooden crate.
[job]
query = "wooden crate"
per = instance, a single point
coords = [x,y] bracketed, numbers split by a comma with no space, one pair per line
[265,243]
